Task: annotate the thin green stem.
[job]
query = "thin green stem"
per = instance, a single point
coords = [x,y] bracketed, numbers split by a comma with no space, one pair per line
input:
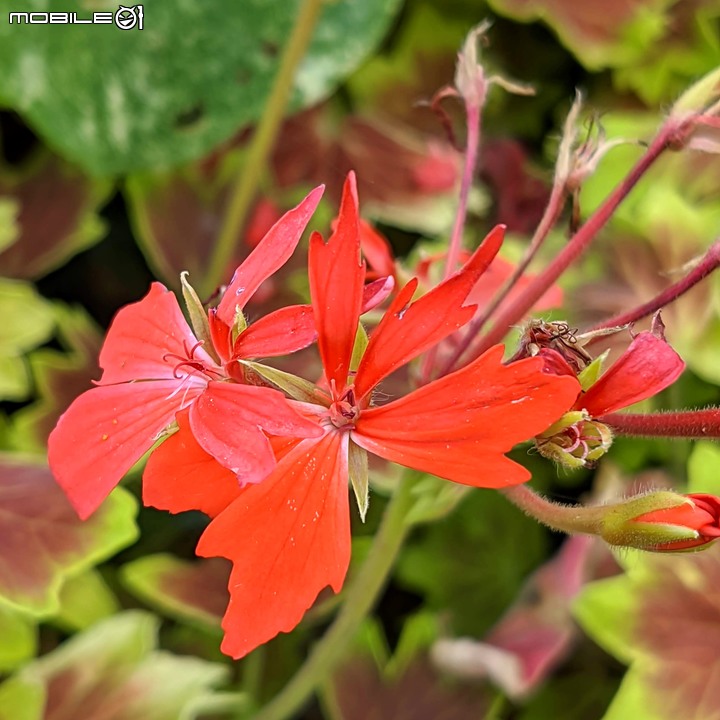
[571,519]
[359,600]
[245,188]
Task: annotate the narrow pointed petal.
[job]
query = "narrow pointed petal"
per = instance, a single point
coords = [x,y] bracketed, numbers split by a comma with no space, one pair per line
[181,476]
[336,288]
[228,421]
[648,366]
[460,426]
[143,334]
[270,254]
[288,538]
[407,330]
[280,333]
[105,432]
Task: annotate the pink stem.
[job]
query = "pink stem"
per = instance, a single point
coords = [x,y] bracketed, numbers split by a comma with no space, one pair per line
[710,262]
[518,309]
[472,111]
[471,153]
[682,424]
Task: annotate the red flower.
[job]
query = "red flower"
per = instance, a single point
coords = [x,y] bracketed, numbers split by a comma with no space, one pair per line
[289,536]
[154,366]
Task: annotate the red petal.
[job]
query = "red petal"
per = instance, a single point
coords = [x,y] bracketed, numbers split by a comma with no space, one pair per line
[271,253]
[181,476]
[375,292]
[279,333]
[648,366]
[105,432]
[406,330]
[142,334]
[228,422]
[376,250]
[221,336]
[459,426]
[288,538]
[336,288]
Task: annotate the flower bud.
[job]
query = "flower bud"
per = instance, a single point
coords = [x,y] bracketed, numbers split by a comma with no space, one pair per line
[575,440]
[663,522]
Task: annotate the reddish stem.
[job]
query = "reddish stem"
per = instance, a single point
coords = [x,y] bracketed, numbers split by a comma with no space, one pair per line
[518,309]
[472,111]
[552,213]
[471,154]
[682,424]
[709,262]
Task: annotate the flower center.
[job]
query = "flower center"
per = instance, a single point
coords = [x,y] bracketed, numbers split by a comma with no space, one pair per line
[189,365]
[344,412]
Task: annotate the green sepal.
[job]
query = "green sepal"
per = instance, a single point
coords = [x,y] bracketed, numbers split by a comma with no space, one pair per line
[297,388]
[700,96]
[239,325]
[361,343]
[588,376]
[198,316]
[567,420]
[359,477]
[555,453]
[620,527]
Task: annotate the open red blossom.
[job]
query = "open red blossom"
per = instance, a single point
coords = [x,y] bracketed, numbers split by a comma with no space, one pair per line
[154,366]
[289,537]
[647,367]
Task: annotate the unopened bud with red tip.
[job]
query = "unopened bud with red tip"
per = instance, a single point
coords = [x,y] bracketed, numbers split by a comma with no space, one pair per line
[663,522]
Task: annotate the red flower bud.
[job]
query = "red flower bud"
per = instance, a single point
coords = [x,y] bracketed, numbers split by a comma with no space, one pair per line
[663,522]
[701,515]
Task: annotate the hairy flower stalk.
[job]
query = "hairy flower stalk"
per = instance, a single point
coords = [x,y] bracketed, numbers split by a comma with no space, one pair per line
[701,423]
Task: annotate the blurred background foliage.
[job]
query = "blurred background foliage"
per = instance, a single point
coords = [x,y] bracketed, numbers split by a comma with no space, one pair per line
[118,154]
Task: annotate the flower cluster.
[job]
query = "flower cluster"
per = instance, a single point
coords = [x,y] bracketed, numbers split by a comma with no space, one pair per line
[269,456]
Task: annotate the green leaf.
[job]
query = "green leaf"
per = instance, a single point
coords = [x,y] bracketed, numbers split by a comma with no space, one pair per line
[500,546]
[43,539]
[606,609]
[186,591]
[27,321]
[14,379]
[19,640]
[704,469]
[617,36]
[435,498]
[85,599]
[113,670]
[169,93]
[57,215]
[9,230]
[59,377]
[662,617]
[22,699]
[27,317]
